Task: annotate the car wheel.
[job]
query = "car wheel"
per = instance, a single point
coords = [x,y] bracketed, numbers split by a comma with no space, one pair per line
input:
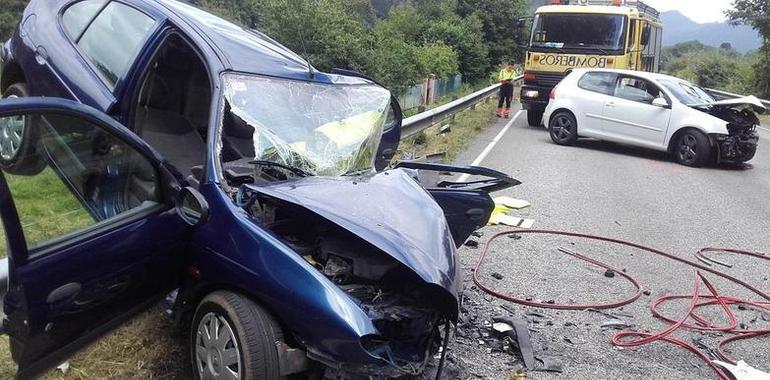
[234,338]
[563,128]
[692,149]
[17,140]
[534,118]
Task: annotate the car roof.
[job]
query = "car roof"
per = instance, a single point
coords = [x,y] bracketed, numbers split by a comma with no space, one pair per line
[245,50]
[643,74]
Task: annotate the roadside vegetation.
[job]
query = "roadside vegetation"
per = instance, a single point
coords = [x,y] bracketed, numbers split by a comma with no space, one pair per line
[722,68]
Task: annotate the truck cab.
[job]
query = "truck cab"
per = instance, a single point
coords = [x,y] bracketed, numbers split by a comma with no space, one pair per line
[568,34]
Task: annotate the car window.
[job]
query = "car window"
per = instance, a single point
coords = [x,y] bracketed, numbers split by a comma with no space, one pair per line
[601,82]
[75,176]
[636,89]
[76,18]
[114,39]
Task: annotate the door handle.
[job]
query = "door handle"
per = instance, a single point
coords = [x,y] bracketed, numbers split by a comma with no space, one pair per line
[64,292]
[41,55]
[609,104]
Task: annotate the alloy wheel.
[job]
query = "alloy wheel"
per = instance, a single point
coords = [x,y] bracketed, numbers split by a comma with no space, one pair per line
[562,128]
[688,148]
[217,355]
[11,134]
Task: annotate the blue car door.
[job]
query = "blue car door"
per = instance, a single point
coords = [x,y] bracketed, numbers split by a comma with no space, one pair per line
[96,227]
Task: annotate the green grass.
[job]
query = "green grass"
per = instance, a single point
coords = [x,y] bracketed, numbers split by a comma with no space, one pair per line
[463,128]
[46,208]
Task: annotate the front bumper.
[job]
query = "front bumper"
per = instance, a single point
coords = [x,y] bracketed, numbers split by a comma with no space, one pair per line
[736,148]
[534,97]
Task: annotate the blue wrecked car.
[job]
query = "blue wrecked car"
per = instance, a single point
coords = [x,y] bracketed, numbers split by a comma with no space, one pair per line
[149,148]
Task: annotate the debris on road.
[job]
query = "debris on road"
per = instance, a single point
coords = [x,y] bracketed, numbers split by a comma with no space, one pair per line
[497,276]
[64,367]
[511,203]
[615,324]
[472,243]
[512,221]
[743,371]
[609,273]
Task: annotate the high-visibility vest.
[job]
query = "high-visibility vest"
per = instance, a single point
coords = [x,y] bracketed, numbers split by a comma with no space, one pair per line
[507,75]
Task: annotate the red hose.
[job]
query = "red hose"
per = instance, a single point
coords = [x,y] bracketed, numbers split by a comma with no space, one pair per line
[621,338]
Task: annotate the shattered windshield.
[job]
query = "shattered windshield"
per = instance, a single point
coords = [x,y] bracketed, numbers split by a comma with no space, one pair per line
[687,93]
[318,128]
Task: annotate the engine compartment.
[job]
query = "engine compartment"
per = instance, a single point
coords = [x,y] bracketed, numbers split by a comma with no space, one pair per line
[405,310]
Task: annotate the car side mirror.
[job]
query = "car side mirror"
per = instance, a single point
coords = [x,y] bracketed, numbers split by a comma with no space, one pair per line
[192,206]
[660,102]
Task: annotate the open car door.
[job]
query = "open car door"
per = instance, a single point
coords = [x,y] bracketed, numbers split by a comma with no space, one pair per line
[96,227]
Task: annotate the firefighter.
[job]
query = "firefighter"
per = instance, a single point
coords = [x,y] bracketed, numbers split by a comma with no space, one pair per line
[506,91]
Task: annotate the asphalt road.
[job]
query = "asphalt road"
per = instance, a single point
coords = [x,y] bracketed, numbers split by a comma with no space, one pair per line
[627,193]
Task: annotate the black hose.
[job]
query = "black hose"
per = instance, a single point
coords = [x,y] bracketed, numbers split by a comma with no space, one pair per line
[443,351]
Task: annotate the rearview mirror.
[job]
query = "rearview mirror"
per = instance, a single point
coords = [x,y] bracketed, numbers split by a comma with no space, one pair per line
[522,22]
[192,206]
[660,102]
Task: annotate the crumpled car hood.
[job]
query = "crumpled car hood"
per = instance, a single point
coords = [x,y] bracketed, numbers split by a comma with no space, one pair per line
[738,103]
[390,210]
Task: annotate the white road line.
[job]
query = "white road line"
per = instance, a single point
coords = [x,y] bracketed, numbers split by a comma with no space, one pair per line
[491,145]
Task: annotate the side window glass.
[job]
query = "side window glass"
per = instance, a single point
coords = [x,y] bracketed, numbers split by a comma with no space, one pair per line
[76,18]
[114,39]
[600,82]
[67,175]
[635,89]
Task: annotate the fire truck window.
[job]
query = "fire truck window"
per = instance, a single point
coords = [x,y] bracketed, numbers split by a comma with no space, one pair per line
[580,31]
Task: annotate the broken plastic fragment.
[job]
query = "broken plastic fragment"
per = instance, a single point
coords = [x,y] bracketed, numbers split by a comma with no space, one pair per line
[511,202]
[507,220]
[743,371]
[64,367]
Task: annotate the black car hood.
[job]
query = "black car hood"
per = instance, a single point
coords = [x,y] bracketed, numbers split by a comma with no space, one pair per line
[390,210]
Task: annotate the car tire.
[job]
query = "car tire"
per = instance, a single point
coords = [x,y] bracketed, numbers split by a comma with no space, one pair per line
[692,148]
[563,128]
[242,325]
[18,140]
[534,118]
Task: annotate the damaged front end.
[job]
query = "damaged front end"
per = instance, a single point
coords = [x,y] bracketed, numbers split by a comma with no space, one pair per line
[381,240]
[374,253]
[740,143]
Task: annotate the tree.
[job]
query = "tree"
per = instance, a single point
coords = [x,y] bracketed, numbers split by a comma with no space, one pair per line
[10,14]
[499,20]
[757,14]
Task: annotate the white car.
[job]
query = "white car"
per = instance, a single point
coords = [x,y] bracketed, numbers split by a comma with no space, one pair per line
[654,111]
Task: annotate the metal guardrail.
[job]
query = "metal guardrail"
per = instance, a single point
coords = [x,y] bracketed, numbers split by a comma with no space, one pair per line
[423,120]
[719,94]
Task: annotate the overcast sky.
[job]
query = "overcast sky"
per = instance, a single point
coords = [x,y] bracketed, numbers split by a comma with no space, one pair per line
[698,10]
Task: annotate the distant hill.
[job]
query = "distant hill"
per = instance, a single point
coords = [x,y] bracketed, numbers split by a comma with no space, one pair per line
[679,28]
